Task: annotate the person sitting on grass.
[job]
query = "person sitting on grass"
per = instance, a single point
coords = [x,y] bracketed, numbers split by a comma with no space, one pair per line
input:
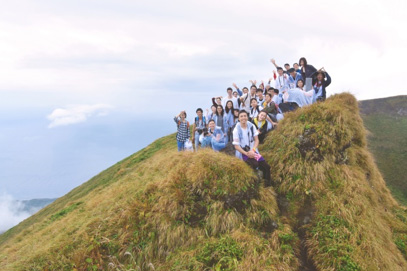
[263,126]
[214,137]
[245,140]
[254,111]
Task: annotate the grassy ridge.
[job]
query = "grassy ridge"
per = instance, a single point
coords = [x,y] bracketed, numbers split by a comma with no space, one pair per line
[162,210]
[320,161]
[386,119]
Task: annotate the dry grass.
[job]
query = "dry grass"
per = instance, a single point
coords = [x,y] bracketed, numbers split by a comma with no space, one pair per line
[164,210]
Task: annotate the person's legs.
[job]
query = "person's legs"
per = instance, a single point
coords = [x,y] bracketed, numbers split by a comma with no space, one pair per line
[264,167]
[252,163]
[217,146]
[266,172]
[261,138]
[206,142]
[196,140]
[180,145]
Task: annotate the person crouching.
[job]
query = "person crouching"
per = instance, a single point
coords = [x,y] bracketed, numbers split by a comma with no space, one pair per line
[245,140]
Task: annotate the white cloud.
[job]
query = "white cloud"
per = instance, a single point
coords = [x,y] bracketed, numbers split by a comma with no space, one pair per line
[10,212]
[76,114]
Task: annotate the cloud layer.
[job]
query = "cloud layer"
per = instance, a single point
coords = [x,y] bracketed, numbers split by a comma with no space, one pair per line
[10,212]
[76,114]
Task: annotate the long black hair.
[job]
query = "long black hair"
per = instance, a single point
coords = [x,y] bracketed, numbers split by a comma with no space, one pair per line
[305,61]
[227,110]
[223,111]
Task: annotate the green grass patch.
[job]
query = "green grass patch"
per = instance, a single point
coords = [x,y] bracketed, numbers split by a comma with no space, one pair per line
[65,211]
[221,254]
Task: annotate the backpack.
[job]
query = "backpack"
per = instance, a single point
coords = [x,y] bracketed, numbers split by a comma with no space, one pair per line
[203,120]
[271,109]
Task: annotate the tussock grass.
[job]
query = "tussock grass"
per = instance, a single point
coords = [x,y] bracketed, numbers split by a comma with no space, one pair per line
[319,155]
[164,210]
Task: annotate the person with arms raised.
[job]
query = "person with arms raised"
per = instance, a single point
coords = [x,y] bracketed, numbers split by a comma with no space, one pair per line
[247,97]
[183,132]
[281,81]
[230,97]
[246,141]
[320,84]
[286,65]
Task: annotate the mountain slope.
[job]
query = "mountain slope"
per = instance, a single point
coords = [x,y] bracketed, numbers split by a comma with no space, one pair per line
[329,208]
[386,120]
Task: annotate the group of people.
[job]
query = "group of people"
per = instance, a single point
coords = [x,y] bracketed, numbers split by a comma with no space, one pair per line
[244,117]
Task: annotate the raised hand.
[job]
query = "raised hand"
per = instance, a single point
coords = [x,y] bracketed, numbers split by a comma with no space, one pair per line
[273,61]
[235,86]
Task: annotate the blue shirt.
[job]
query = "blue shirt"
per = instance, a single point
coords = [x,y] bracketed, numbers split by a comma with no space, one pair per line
[292,83]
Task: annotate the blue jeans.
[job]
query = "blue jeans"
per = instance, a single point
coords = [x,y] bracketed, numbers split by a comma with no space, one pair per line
[181,145]
[217,146]
[206,142]
[196,140]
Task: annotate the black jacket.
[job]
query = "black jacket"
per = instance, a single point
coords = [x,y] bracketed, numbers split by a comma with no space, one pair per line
[325,82]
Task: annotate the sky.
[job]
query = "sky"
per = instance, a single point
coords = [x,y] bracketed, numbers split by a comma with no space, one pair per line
[84,84]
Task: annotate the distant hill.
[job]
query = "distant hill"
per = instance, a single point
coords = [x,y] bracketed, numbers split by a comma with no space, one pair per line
[386,120]
[328,209]
[33,205]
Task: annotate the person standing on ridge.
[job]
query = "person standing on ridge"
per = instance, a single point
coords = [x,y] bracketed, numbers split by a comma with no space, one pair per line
[306,70]
[198,126]
[183,132]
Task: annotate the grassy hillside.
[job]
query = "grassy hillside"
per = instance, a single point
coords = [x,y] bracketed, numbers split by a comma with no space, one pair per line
[386,120]
[161,210]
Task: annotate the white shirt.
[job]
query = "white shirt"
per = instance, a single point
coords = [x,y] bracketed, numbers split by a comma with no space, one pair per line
[254,113]
[245,104]
[275,98]
[245,134]
[281,83]
[233,99]
[260,101]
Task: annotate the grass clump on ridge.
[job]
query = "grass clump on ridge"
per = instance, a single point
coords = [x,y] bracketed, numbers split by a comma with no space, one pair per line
[198,211]
[319,160]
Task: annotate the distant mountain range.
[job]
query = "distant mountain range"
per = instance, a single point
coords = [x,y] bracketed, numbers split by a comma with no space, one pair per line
[386,120]
[33,205]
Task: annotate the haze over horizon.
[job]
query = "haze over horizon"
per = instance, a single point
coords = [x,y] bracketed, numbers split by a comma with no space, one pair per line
[86,83]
